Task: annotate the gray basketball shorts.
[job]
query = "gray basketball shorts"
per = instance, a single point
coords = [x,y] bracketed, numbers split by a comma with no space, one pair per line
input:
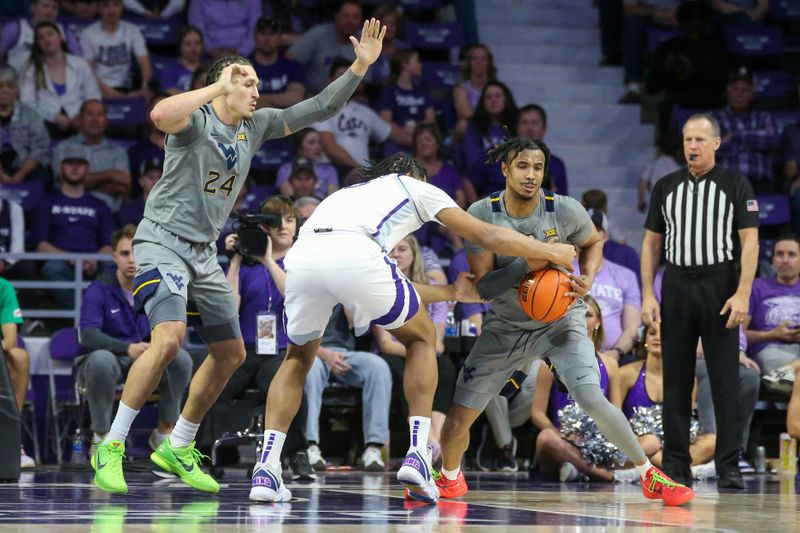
[177,280]
[502,349]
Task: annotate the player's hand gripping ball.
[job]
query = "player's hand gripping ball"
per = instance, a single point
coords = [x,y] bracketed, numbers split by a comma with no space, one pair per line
[542,294]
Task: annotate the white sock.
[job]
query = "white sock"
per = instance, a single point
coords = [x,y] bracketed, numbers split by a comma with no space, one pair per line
[273,445]
[644,468]
[121,424]
[419,426]
[183,433]
[450,474]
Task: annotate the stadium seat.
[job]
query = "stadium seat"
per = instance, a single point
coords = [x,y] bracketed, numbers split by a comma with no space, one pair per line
[419,5]
[157,32]
[126,116]
[773,86]
[434,35]
[754,41]
[785,10]
[254,197]
[272,154]
[773,210]
[440,75]
[783,119]
[64,346]
[27,194]
[74,25]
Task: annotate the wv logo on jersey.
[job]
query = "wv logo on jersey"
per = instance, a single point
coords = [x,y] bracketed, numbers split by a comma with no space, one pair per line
[230,154]
[550,232]
[176,279]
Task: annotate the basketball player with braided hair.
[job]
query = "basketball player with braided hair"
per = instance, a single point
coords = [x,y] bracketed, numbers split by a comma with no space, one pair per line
[509,339]
[212,135]
[350,234]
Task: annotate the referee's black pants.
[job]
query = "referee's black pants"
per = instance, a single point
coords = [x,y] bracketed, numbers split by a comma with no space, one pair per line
[692,298]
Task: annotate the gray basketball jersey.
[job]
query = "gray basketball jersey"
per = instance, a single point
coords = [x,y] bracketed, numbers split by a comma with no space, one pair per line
[205,166]
[554,216]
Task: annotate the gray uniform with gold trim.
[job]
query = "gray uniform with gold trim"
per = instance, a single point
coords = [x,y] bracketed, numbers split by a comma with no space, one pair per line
[509,340]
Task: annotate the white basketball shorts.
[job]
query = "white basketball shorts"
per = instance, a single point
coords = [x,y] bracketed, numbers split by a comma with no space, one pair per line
[348,268]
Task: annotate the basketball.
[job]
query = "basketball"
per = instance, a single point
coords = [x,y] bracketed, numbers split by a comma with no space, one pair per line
[542,294]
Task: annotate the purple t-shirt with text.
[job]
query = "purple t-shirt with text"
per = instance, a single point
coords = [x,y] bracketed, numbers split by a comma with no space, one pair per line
[405,105]
[772,303]
[614,287]
[80,224]
[175,76]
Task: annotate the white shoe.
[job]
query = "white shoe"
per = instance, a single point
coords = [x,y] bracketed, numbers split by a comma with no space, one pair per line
[568,473]
[267,485]
[372,460]
[315,458]
[415,474]
[25,461]
[780,380]
[627,475]
[155,439]
[704,471]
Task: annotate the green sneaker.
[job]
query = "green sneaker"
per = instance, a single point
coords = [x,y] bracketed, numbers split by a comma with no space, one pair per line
[107,463]
[185,463]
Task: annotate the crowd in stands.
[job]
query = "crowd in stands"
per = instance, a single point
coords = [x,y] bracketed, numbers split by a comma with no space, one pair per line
[77,144]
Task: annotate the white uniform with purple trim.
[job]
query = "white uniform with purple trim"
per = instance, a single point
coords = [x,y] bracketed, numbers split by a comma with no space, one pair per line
[340,256]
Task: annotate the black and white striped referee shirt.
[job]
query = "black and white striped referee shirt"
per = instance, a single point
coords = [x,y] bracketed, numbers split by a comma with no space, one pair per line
[700,218]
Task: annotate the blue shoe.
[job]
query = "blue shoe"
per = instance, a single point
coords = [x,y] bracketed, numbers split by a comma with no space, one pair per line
[415,474]
[267,485]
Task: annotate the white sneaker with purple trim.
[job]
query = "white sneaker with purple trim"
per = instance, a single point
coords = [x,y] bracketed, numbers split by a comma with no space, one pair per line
[267,485]
[416,474]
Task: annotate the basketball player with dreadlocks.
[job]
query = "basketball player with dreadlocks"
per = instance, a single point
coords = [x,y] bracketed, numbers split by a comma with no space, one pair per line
[212,135]
[509,339]
[350,234]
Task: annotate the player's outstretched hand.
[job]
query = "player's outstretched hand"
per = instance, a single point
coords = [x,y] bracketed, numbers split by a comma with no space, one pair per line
[466,290]
[229,77]
[369,47]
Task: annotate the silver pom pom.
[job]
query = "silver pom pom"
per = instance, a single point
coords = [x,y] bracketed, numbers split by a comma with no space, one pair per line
[648,421]
[578,428]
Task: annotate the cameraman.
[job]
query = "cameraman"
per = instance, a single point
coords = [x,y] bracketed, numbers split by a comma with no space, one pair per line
[258,284]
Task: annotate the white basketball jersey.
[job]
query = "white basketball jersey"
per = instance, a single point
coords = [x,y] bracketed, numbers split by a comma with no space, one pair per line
[386,208]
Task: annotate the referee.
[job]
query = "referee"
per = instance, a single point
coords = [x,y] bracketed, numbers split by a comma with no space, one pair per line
[706,219]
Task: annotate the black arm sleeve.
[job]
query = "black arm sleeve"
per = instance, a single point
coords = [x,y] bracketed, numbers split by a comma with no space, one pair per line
[498,281]
[94,339]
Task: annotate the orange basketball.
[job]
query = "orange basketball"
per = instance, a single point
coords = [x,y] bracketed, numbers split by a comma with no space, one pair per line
[542,294]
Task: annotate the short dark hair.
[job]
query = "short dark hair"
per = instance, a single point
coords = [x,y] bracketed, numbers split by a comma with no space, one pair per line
[125,232]
[431,128]
[785,237]
[534,107]
[279,203]
[337,63]
[596,199]
[219,65]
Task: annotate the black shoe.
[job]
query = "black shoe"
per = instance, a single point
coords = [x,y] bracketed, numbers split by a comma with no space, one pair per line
[485,455]
[730,480]
[301,468]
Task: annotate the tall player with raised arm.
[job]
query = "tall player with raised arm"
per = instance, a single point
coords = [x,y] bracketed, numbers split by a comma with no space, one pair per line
[212,135]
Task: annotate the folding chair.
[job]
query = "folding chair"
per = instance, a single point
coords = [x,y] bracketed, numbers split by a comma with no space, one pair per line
[64,347]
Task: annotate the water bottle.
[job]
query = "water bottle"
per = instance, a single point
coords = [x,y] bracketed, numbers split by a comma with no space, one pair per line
[78,455]
[760,460]
[450,325]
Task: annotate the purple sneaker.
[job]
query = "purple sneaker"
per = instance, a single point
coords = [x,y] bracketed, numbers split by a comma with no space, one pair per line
[415,474]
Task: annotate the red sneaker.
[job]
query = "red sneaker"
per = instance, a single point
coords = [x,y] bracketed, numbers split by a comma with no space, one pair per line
[451,489]
[658,486]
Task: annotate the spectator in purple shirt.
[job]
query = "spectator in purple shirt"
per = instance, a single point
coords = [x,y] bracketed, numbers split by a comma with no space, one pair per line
[773,330]
[281,82]
[620,298]
[71,220]
[532,123]
[226,25]
[408,256]
[496,109]
[114,335]
[176,77]
[258,285]
[427,143]
[404,101]
[307,145]
[748,136]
